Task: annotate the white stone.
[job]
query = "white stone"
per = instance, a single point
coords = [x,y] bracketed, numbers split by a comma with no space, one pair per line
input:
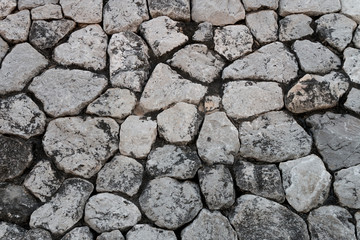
[27,4]
[294,27]
[176,10]
[351,8]
[6,7]
[352,101]
[204,33]
[212,103]
[113,235]
[145,231]
[15,27]
[356,38]
[263,25]
[351,64]
[347,187]
[49,11]
[83,11]
[4,47]
[310,7]
[253,5]
[79,233]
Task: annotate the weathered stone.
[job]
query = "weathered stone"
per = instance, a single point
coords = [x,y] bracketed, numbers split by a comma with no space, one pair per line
[357,218]
[163,34]
[351,64]
[352,101]
[314,92]
[272,62]
[20,116]
[258,218]
[243,99]
[218,141]
[166,87]
[332,223]
[79,233]
[121,16]
[356,38]
[144,231]
[274,137]
[263,25]
[176,10]
[37,234]
[81,146]
[262,180]
[170,203]
[11,231]
[113,235]
[65,209]
[294,27]
[337,139]
[253,5]
[4,47]
[83,11]
[199,62]
[351,8]
[204,33]
[217,12]
[310,7]
[129,61]
[6,7]
[122,174]
[15,27]
[48,11]
[27,4]
[347,186]
[212,103]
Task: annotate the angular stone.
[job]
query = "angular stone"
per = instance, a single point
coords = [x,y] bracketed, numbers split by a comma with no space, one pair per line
[179,124]
[199,62]
[274,137]
[263,25]
[165,87]
[212,103]
[356,38]
[351,64]
[310,7]
[37,234]
[204,33]
[20,116]
[331,222]
[352,101]
[113,235]
[272,62]
[82,233]
[145,231]
[347,186]
[6,7]
[170,203]
[351,8]
[81,146]
[129,61]
[163,34]
[243,99]
[11,231]
[337,139]
[253,5]
[212,179]
[27,4]
[258,218]
[65,209]
[217,12]
[218,141]
[314,92]
[122,16]
[4,47]
[176,10]
[15,27]
[85,48]
[294,27]
[261,180]
[83,11]
[47,12]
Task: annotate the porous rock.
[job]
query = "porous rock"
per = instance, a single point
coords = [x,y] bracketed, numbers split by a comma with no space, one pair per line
[79,233]
[176,10]
[346,186]
[15,27]
[294,27]
[145,231]
[253,5]
[47,12]
[310,8]
[11,231]
[263,25]
[83,11]
[351,64]
[352,101]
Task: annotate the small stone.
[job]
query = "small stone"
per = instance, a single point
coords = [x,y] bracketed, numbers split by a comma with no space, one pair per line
[204,33]
[113,235]
[179,124]
[263,25]
[15,27]
[352,101]
[274,137]
[351,65]
[255,218]
[4,47]
[337,139]
[122,174]
[294,27]
[163,34]
[20,116]
[165,87]
[253,5]
[347,186]
[81,146]
[27,4]
[351,8]
[199,62]
[314,92]
[332,223]
[262,180]
[145,231]
[243,99]
[122,16]
[233,42]
[310,7]
[83,11]
[272,62]
[356,39]
[9,231]
[79,233]
[37,234]
[47,12]
[212,103]
[218,141]
[217,12]
[65,209]
[6,7]
[42,181]
[176,10]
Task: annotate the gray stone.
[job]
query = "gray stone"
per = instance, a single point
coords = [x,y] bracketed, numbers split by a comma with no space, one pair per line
[336,138]
[83,11]
[81,146]
[15,27]
[356,38]
[332,223]
[351,8]
[357,218]
[6,7]
[352,101]
[121,16]
[176,10]
[47,12]
[9,231]
[347,186]
[260,179]
[20,116]
[253,5]
[79,233]
[204,33]
[255,218]
[65,209]
[351,64]
[315,57]
[212,179]
[113,235]
[199,62]
[263,25]
[27,4]
[170,203]
[106,212]
[274,137]
[314,92]
[4,47]
[37,234]
[217,12]
[243,99]
[233,41]
[310,7]
[294,27]
[212,103]
[145,231]
[272,62]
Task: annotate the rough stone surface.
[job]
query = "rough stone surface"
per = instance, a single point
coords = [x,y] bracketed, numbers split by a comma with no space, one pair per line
[253,5]
[351,65]
[6,7]
[218,141]
[83,11]
[79,233]
[37,234]
[356,38]
[352,101]
[113,235]
[357,218]
[4,47]
[351,8]
[274,137]
[212,103]
[15,27]
[81,146]
[170,203]
[263,25]
[176,10]
[243,99]
[47,12]
[204,33]
[144,231]
[294,27]
[27,4]
[11,231]
[347,186]
[310,7]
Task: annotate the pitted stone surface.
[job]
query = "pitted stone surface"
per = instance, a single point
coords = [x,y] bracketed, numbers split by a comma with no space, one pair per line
[352,64]
[204,33]
[352,101]
[294,27]
[144,231]
[351,9]
[37,234]
[79,233]
[253,5]
[27,4]
[310,8]
[263,25]
[6,7]
[11,231]
[15,27]
[83,11]
[113,235]
[47,12]
[347,186]
[176,10]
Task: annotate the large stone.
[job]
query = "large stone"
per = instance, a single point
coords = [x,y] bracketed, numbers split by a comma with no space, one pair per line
[263,25]
[81,146]
[351,64]
[20,116]
[204,32]
[253,5]
[4,47]
[347,186]
[255,218]
[217,12]
[11,231]
[352,101]
[243,99]
[65,209]
[27,4]
[218,141]
[176,10]
[170,203]
[351,8]
[145,231]
[47,12]
[274,137]
[310,7]
[83,11]
[106,212]
[82,233]
[294,27]
[272,62]
[6,7]
[356,38]
[337,139]
[15,27]
[37,234]
[113,235]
